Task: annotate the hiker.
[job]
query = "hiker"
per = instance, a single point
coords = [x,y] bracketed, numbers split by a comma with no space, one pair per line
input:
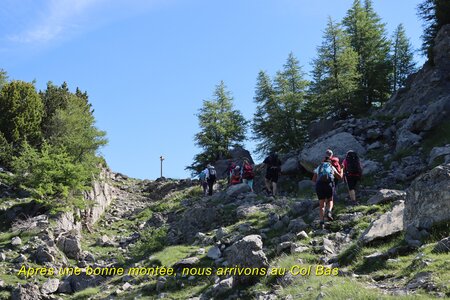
[229,171]
[324,176]
[352,173]
[210,178]
[335,163]
[247,173]
[236,176]
[273,164]
[203,181]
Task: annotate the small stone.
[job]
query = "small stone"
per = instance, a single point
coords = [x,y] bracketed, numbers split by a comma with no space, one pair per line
[126,286]
[50,286]
[16,241]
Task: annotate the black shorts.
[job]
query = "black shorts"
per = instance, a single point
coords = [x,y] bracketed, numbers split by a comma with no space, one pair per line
[351,181]
[272,174]
[324,190]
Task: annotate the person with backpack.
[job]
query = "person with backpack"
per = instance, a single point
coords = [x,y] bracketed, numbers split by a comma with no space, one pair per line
[203,182]
[229,170]
[236,176]
[335,163]
[273,164]
[247,173]
[210,178]
[352,173]
[324,176]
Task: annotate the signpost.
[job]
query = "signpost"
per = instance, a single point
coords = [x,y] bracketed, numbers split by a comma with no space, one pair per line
[161,158]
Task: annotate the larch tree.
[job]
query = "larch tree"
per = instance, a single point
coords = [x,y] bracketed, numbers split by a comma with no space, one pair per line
[368,38]
[221,126]
[402,58]
[335,74]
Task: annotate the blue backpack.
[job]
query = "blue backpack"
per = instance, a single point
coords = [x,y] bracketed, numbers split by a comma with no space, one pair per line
[325,173]
[202,175]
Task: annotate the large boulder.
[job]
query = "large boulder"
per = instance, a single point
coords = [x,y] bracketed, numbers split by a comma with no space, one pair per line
[290,166]
[70,244]
[439,152]
[28,291]
[247,253]
[237,155]
[237,189]
[386,225]
[386,195]
[428,198]
[406,139]
[340,143]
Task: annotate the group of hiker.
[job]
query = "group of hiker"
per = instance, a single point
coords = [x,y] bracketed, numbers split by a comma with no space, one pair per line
[327,176]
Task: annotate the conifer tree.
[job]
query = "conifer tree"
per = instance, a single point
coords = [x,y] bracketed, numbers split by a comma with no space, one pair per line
[279,122]
[266,109]
[402,58]
[335,75]
[368,39]
[221,127]
[21,111]
[435,13]
[289,120]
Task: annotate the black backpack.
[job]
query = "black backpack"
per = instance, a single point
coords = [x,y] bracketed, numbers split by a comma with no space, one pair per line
[212,174]
[353,164]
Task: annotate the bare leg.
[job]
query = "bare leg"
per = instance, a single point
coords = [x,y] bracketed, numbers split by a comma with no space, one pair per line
[274,188]
[352,195]
[321,209]
[267,181]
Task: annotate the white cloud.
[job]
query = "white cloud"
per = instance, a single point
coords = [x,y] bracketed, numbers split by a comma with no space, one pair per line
[55,19]
[46,21]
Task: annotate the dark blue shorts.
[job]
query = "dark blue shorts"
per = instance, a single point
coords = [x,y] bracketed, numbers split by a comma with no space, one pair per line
[324,190]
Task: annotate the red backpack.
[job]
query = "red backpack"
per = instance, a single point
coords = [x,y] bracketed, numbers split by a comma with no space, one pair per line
[248,172]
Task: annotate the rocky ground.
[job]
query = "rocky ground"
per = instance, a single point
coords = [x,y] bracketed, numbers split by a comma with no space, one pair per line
[394,245]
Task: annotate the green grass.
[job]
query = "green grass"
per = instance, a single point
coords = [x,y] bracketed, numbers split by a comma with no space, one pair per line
[151,240]
[173,254]
[86,293]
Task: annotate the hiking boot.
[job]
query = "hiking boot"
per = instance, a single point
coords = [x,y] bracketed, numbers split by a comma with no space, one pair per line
[330,216]
[322,225]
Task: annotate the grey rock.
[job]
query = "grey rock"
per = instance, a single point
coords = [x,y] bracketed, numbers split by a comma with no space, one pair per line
[247,252]
[406,139]
[2,256]
[286,247]
[290,166]
[327,246]
[70,245]
[297,225]
[221,233]
[44,254]
[300,249]
[214,253]
[222,287]
[370,167]
[50,286]
[386,225]
[420,280]
[313,154]
[386,195]
[302,235]
[237,189]
[428,198]
[16,241]
[443,246]
[28,291]
[438,152]
[186,263]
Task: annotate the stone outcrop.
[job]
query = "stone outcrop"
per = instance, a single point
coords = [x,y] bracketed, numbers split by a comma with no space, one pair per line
[428,198]
[101,195]
[386,225]
[340,143]
[237,155]
[386,195]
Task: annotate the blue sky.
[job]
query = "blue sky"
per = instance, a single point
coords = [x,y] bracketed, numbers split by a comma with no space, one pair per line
[148,65]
